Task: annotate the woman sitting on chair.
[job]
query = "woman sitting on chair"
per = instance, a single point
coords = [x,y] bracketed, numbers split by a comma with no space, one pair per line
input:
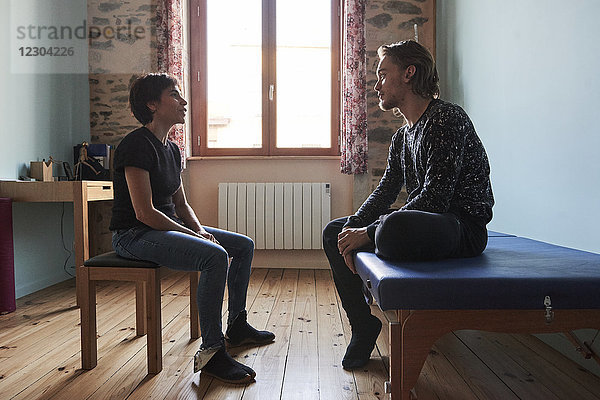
[153,221]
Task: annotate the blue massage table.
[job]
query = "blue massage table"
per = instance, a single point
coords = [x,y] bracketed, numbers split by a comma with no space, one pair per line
[517,285]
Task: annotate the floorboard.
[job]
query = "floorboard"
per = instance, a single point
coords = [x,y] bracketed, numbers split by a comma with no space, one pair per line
[40,351]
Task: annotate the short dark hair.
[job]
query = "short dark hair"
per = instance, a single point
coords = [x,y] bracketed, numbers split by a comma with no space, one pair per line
[425,82]
[145,89]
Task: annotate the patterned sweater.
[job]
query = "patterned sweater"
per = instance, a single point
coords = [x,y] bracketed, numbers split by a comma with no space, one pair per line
[443,165]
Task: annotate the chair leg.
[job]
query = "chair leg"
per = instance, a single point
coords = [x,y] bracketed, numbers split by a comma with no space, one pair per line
[87,307]
[140,308]
[194,321]
[153,315]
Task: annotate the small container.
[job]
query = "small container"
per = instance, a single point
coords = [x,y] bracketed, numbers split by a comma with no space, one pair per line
[41,170]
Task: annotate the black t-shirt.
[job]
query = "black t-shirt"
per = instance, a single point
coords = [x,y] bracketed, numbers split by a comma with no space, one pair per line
[143,150]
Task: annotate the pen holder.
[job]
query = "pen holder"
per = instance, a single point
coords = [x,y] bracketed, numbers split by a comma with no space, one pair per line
[41,170]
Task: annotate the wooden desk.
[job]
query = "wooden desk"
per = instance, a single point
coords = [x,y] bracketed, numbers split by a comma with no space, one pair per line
[78,192]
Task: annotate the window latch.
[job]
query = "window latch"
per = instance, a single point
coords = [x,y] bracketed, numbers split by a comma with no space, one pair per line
[271,92]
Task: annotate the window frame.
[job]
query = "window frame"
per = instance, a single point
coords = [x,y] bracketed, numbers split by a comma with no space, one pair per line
[199,87]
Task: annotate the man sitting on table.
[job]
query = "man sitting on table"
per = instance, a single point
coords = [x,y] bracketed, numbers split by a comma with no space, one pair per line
[442,163]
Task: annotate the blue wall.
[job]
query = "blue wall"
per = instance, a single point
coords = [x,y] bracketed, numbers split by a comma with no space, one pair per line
[527,74]
[42,114]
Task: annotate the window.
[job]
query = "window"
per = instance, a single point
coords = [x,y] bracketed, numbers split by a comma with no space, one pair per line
[265,77]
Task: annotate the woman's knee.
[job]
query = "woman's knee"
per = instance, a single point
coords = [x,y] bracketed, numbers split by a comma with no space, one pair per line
[248,244]
[215,257]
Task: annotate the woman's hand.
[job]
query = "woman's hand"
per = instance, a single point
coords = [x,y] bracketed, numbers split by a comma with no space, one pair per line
[203,233]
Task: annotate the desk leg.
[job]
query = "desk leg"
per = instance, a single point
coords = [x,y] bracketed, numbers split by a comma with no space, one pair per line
[80,225]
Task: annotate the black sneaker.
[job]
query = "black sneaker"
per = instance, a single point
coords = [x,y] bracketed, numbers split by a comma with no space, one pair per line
[224,368]
[239,332]
[362,343]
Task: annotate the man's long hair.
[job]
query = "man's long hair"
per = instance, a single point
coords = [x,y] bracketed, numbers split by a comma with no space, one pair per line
[425,82]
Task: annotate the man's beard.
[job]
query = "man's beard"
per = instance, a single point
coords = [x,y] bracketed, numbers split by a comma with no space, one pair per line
[385,107]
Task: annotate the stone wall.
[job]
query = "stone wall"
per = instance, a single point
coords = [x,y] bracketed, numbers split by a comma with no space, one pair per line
[122,43]
[388,22]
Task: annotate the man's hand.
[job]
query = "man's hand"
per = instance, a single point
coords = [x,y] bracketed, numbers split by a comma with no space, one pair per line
[349,240]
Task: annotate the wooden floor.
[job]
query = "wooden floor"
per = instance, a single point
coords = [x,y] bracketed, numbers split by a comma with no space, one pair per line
[40,358]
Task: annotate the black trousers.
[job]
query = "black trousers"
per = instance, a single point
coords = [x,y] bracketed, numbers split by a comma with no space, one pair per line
[402,235]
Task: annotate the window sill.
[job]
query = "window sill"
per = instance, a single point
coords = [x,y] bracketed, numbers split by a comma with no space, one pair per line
[199,158]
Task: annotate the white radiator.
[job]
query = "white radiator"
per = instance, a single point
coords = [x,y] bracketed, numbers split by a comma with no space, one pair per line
[276,215]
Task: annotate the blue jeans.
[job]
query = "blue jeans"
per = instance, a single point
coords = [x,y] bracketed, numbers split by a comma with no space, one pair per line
[185,252]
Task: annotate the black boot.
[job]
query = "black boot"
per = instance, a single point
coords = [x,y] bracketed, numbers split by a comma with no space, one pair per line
[239,332]
[224,368]
[364,337]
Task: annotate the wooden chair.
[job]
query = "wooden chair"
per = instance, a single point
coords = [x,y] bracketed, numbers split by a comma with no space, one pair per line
[146,275]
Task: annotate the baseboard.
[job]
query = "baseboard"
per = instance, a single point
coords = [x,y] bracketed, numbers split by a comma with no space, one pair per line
[30,287]
[303,259]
